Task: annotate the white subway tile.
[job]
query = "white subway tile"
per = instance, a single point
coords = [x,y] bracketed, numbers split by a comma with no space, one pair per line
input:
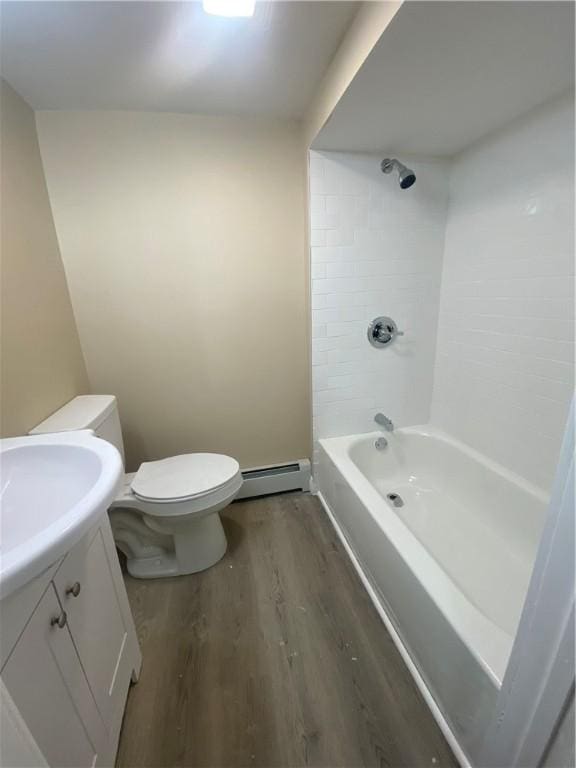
[339,236]
[340,382]
[319,358]
[338,314]
[318,185]
[317,204]
[317,237]
[346,329]
[316,167]
[340,269]
[317,271]
[318,331]
[333,204]
[323,220]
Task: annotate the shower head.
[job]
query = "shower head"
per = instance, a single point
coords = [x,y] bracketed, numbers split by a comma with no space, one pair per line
[405,175]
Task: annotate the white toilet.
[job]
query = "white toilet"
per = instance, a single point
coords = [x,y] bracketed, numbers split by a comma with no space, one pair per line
[165,517]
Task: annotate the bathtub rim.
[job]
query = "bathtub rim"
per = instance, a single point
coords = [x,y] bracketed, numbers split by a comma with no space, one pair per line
[489,644]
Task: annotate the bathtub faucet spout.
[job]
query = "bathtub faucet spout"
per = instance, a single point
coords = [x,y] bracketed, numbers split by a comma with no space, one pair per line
[384,421]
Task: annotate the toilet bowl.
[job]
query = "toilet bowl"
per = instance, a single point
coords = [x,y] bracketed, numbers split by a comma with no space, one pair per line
[165,516]
[169,525]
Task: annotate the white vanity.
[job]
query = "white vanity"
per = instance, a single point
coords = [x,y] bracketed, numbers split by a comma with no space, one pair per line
[68,647]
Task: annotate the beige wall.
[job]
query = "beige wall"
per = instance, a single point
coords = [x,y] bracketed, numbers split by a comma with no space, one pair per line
[368,25]
[183,239]
[41,361]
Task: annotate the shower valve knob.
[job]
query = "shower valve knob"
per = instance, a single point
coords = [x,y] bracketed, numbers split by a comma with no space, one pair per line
[382,331]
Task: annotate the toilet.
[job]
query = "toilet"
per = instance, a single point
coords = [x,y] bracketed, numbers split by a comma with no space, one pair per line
[165,517]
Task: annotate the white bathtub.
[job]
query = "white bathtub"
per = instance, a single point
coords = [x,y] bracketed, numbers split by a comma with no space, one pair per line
[450,568]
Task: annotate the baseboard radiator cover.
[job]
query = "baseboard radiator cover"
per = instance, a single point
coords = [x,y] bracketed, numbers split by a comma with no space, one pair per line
[277,478]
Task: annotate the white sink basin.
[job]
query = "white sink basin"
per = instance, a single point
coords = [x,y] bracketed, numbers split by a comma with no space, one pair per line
[53,488]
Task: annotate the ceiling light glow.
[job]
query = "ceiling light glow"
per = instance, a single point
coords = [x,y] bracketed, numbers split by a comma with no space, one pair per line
[229,8]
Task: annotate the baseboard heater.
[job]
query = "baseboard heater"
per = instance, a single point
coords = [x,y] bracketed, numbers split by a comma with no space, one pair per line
[262,481]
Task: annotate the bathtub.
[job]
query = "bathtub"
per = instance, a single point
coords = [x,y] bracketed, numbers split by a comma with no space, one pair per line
[447,559]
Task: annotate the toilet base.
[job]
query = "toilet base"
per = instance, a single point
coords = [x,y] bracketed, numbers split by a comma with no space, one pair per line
[174,538]
[174,549]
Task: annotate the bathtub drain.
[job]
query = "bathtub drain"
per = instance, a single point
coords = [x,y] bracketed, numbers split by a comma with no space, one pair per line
[396,499]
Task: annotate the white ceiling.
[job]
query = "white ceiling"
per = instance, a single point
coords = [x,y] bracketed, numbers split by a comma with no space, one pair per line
[170,56]
[444,74]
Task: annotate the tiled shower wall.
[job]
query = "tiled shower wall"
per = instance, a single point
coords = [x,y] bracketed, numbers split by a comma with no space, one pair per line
[505,362]
[502,375]
[376,250]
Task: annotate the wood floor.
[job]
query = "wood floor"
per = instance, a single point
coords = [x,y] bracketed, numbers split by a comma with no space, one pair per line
[273,657]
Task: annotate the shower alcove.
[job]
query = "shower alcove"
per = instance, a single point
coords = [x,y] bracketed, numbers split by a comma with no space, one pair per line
[473,261]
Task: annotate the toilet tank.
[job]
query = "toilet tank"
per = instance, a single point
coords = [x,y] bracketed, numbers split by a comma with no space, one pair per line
[97,412]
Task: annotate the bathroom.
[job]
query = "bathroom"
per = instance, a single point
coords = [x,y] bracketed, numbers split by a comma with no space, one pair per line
[287,368]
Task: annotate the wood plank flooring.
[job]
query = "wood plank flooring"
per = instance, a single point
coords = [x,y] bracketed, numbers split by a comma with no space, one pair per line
[275,657]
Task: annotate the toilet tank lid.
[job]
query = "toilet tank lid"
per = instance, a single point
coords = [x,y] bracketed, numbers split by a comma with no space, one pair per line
[83,412]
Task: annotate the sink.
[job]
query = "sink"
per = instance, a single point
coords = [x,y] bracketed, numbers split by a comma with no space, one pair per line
[53,488]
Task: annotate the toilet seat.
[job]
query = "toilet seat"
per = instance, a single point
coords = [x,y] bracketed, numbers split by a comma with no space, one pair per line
[185,477]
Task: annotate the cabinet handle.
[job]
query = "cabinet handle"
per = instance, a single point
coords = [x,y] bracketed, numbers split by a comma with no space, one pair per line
[59,620]
[74,590]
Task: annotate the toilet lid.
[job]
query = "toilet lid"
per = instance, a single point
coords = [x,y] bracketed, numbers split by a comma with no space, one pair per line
[182,477]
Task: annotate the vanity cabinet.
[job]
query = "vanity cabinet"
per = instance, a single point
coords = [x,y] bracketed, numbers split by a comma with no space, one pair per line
[87,592]
[45,678]
[73,652]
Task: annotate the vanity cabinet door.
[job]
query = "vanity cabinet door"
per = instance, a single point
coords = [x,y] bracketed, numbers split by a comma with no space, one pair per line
[88,593]
[45,679]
